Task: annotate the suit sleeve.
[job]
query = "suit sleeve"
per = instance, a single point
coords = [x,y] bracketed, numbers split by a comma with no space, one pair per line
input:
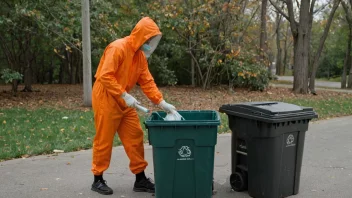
[113,58]
[146,81]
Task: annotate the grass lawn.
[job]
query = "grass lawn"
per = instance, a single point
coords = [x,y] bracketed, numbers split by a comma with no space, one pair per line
[28,129]
[334,79]
[40,131]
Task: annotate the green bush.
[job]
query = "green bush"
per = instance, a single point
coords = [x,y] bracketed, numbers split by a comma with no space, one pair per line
[248,73]
[160,71]
[9,75]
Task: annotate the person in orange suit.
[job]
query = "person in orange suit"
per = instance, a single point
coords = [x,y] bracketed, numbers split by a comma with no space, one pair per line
[123,65]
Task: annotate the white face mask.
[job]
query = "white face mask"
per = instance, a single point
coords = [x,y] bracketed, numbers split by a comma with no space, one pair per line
[148,48]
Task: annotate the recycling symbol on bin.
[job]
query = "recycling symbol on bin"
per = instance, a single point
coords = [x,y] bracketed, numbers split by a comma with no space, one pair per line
[290,139]
[185,151]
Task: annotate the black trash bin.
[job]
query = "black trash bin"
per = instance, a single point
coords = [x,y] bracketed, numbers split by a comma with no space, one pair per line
[267,147]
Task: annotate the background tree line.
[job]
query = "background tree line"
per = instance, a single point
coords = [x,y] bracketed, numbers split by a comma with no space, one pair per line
[205,42]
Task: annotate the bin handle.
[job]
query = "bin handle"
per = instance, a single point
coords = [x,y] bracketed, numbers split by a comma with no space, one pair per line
[265,104]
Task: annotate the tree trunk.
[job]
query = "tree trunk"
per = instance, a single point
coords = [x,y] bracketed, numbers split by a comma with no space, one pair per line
[73,68]
[68,66]
[14,87]
[286,50]
[192,65]
[51,70]
[279,68]
[301,36]
[28,78]
[78,66]
[263,35]
[300,67]
[349,19]
[43,70]
[193,73]
[349,85]
[347,61]
[321,45]
[61,73]
[80,70]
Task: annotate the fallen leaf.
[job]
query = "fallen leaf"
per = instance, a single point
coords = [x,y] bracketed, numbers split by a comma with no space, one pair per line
[25,156]
[44,189]
[4,122]
[68,163]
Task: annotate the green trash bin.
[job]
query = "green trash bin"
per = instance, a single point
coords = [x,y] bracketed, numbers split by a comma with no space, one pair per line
[183,153]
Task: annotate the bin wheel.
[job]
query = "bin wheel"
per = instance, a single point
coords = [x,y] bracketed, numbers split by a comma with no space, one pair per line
[238,181]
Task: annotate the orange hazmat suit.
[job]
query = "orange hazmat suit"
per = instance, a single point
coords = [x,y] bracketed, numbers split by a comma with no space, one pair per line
[122,65]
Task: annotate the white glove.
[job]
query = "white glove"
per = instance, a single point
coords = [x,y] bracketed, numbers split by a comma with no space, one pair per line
[130,100]
[168,108]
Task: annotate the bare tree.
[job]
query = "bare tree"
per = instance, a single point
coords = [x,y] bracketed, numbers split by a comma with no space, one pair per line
[348,9]
[301,32]
[321,45]
[347,60]
[279,66]
[263,35]
[287,47]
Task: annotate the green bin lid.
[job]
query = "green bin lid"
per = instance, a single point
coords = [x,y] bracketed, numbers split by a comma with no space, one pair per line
[269,111]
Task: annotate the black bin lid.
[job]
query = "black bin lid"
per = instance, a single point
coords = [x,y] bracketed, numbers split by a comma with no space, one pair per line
[269,111]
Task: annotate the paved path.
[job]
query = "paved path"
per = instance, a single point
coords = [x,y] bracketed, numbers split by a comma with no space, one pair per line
[326,169]
[317,88]
[318,83]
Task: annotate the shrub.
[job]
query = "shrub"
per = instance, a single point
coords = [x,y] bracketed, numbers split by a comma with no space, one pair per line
[9,75]
[161,73]
[248,73]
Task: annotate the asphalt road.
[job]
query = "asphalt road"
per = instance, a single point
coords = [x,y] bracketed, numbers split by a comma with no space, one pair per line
[326,169]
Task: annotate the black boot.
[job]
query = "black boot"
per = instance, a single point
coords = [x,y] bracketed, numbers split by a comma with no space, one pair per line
[143,184]
[100,186]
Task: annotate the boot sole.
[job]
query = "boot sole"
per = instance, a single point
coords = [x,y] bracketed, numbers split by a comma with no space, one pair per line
[101,192]
[143,190]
